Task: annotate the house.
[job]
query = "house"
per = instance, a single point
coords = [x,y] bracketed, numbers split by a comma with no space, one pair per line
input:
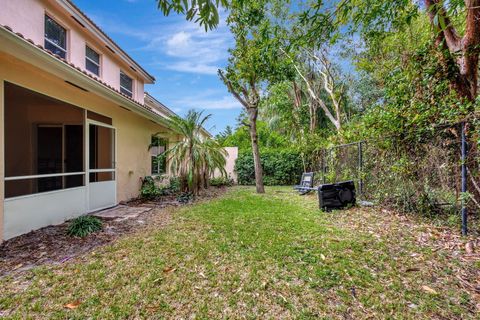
[76,123]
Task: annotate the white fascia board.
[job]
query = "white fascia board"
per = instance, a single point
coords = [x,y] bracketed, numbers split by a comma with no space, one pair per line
[67,6]
[20,48]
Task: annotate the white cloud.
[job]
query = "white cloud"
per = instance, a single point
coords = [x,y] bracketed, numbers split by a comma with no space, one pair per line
[209,100]
[186,66]
[178,45]
[179,40]
[189,48]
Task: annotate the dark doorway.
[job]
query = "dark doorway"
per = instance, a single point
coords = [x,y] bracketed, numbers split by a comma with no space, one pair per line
[73,152]
[49,156]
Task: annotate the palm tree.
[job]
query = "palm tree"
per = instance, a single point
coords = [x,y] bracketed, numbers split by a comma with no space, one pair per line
[195,157]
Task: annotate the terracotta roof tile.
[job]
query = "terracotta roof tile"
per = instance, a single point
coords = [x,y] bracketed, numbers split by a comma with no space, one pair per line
[8,28]
[106,35]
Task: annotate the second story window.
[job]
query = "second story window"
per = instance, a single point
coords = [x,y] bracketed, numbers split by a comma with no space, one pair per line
[92,61]
[55,37]
[126,84]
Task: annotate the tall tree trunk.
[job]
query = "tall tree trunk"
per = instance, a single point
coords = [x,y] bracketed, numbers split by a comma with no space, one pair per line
[206,178]
[250,101]
[252,116]
[462,51]
[194,188]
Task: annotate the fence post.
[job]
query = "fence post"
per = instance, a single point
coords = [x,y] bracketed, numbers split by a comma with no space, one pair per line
[323,166]
[464,178]
[360,169]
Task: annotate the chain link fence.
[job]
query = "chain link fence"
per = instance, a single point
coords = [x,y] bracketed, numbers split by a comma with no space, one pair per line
[423,177]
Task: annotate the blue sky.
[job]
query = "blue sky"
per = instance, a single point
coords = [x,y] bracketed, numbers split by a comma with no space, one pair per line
[182,57]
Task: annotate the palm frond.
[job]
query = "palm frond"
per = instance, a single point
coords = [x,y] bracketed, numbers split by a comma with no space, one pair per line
[194,157]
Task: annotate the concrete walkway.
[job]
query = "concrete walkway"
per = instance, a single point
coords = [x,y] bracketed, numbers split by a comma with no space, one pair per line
[121,212]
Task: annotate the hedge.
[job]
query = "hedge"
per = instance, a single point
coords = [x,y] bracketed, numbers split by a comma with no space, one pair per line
[280,167]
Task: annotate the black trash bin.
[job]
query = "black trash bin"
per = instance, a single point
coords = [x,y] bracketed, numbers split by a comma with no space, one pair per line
[336,195]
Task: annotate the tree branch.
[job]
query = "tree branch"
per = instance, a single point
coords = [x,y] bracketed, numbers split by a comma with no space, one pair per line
[313,95]
[471,40]
[325,70]
[464,50]
[436,12]
[297,95]
[246,124]
[229,85]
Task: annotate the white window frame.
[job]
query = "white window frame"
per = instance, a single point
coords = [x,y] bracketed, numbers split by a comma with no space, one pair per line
[53,43]
[154,152]
[126,89]
[95,63]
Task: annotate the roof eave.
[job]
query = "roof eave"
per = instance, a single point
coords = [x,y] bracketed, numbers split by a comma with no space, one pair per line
[27,51]
[73,10]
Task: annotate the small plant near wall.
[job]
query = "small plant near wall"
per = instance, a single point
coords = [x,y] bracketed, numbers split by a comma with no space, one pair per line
[149,189]
[83,226]
[172,188]
[174,184]
[221,182]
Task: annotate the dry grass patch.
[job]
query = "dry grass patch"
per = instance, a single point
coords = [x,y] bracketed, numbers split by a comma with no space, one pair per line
[253,256]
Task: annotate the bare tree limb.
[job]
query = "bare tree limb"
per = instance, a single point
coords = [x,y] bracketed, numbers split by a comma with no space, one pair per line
[312,94]
[232,90]
[325,70]
[246,124]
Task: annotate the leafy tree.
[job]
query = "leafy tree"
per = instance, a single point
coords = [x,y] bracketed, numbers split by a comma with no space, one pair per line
[195,157]
[204,12]
[267,138]
[254,61]
[320,75]
[222,136]
[454,28]
[285,109]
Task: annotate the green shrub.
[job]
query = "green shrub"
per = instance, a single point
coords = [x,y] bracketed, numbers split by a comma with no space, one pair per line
[149,189]
[83,226]
[173,185]
[221,181]
[280,167]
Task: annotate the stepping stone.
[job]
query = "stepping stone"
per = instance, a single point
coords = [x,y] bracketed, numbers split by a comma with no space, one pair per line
[121,212]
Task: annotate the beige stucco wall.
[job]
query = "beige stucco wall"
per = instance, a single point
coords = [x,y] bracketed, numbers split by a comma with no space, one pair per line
[28,18]
[133,131]
[232,155]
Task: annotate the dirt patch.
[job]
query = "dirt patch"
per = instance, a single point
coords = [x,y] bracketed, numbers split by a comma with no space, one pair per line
[52,245]
[389,226]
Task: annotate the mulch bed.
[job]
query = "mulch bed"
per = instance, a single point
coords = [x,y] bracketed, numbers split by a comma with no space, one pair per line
[52,245]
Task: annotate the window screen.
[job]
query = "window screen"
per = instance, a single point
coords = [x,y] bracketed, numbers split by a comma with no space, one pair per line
[158,148]
[55,37]
[44,143]
[92,61]
[126,84]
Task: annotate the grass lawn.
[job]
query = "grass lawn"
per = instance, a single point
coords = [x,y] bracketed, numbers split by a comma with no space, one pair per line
[245,255]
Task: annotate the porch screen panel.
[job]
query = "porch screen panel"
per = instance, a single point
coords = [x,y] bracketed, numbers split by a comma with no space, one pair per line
[101,153]
[44,143]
